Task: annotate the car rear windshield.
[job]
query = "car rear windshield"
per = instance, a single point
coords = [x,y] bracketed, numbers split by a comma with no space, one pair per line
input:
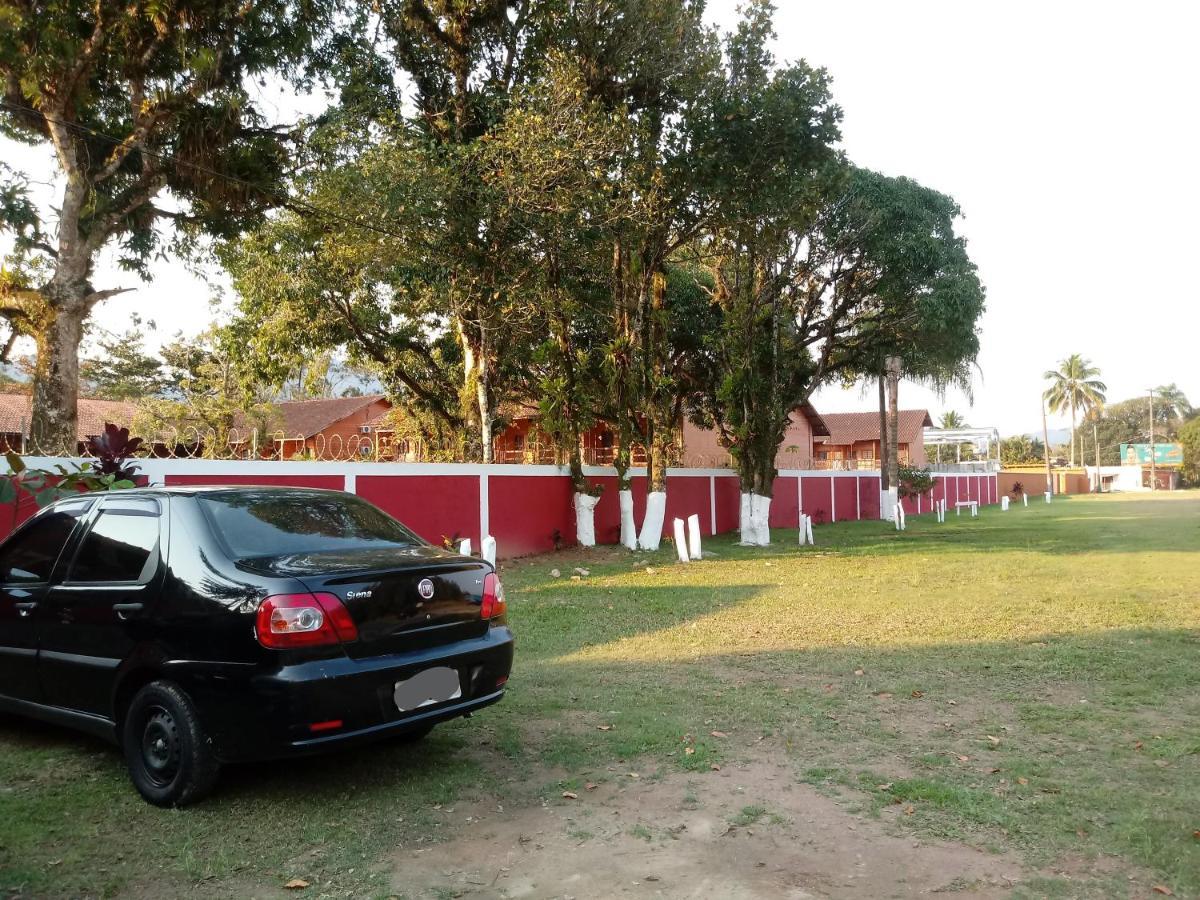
[257,524]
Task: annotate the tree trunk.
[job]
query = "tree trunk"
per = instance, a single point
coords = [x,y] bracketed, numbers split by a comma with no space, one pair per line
[477,385]
[893,430]
[1072,432]
[884,474]
[756,475]
[53,428]
[622,457]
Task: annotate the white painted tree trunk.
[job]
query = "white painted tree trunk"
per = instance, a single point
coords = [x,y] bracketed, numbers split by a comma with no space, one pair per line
[652,524]
[585,519]
[887,505]
[488,549]
[755,520]
[629,536]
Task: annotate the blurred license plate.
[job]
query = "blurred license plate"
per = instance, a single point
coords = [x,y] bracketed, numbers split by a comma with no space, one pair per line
[426,688]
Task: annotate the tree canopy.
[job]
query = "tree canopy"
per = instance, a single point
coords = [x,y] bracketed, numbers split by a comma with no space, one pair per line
[147,110]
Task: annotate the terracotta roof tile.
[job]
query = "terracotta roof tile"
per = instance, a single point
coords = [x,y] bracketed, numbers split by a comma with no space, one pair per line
[304,418]
[15,414]
[846,428]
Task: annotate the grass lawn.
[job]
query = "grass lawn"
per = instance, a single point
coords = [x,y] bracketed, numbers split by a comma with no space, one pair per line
[1027,682]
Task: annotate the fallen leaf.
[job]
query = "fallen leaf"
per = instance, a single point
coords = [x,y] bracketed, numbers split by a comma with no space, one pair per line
[570,795]
[590,786]
[993,771]
[554,573]
[884,787]
[1138,746]
[296,884]
[604,727]
[995,740]
[917,695]
[964,759]
[883,695]
[1022,780]
[1196,834]
[688,751]
[909,810]
[1164,890]
[858,671]
[952,702]
[718,734]
[634,775]
[715,767]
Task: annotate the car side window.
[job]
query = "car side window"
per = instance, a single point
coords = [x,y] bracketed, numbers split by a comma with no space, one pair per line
[122,545]
[30,556]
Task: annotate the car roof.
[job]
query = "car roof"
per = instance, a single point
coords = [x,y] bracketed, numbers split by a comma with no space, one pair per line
[188,490]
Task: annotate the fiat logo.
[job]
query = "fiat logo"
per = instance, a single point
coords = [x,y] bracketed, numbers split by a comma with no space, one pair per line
[425,588]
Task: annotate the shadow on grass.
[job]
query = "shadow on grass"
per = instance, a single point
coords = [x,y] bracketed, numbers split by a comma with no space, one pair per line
[1135,526]
[848,717]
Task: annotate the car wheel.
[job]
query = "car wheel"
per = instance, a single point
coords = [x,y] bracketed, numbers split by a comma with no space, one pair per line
[170,759]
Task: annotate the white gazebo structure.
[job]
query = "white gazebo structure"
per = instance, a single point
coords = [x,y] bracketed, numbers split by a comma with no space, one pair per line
[981,439]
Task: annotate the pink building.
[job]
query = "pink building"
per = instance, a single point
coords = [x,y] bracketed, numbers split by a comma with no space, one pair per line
[702,447]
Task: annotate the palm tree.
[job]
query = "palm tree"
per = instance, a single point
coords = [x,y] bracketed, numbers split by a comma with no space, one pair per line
[1074,386]
[1171,403]
[952,420]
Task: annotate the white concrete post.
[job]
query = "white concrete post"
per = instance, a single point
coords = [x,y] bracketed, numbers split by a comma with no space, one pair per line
[1047,495]
[1026,496]
[681,541]
[464,546]
[693,524]
[487,549]
[1004,503]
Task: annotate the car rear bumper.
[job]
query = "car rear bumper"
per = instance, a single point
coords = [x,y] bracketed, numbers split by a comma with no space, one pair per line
[272,714]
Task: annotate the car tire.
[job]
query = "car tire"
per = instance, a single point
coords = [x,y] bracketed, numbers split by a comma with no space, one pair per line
[171,760]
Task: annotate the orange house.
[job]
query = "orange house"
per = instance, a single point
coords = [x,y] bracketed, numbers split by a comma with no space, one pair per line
[523,442]
[16,413]
[853,440]
[328,428]
[702,447]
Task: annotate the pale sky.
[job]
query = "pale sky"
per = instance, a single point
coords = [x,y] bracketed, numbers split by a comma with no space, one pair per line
[1067,133]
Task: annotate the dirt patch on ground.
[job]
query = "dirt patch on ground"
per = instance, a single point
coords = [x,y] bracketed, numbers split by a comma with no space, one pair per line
[745,831]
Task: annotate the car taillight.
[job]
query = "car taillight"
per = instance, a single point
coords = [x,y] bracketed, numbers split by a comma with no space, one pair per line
[303,620]
[493,597]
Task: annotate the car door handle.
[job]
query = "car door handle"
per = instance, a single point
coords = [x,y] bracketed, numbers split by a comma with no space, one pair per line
[24,609]
[124,609]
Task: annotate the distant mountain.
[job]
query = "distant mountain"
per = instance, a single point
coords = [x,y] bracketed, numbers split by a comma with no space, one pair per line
[1057,435]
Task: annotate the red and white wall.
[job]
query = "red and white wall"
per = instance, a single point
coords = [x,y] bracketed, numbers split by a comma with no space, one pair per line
[528,509]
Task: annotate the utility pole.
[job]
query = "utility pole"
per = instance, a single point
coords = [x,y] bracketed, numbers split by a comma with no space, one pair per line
[1096,441]
[1046,447]
[1153,472]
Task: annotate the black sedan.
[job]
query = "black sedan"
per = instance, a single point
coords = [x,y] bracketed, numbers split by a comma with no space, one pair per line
[201,626]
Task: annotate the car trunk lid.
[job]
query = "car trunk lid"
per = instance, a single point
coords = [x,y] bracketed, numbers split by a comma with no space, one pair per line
[399,599]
